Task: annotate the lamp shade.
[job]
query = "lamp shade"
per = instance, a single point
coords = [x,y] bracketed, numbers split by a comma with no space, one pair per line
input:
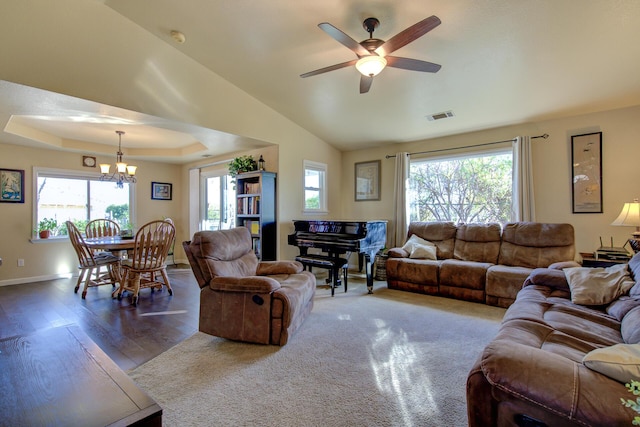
[629,216]
[371,65]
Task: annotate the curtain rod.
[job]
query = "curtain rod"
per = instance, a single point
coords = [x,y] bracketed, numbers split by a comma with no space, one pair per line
[543,136]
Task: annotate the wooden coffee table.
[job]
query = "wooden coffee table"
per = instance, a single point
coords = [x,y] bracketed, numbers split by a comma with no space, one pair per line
[60,377]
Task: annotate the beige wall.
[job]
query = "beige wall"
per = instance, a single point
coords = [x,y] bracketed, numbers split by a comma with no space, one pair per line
[51,258]
[552,171]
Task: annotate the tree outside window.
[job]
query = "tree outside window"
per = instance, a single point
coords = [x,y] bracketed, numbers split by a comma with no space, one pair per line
[469,189]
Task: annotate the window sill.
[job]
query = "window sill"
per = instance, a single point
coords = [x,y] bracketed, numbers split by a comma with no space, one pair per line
[49,240]
[315,212]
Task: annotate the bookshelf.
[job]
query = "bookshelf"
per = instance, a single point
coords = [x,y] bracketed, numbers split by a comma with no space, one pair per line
[256,210]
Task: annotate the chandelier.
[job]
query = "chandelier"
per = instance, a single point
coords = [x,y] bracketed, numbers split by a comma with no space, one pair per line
[123,173]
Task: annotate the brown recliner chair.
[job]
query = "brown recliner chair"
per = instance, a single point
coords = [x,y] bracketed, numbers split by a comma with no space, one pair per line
[242,298]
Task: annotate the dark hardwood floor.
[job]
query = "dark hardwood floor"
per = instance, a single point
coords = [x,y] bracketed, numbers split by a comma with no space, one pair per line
[129,335]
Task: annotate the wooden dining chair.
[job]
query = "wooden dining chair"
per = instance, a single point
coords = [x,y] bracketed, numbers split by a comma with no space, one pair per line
[102,228]
[89,263]
[152,243]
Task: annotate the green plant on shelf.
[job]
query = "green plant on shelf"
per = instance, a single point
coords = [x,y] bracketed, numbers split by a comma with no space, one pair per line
[242,164]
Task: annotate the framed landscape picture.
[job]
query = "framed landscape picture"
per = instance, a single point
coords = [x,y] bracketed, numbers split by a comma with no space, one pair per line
[586,177]
[11,186]
[161,191]
[367,181]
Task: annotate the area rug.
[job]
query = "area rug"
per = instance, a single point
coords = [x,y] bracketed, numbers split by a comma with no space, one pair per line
[388,359]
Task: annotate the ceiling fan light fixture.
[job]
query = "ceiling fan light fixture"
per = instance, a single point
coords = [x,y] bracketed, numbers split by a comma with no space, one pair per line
[371,65]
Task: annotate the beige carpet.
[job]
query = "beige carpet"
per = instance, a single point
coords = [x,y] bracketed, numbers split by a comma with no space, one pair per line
[387,359]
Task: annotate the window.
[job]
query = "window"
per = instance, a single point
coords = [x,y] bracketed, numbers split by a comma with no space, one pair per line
[315,197]
[473,188]
[71,196]
[219,203]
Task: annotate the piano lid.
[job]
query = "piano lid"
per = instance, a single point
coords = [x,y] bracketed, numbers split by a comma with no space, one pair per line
[334,226]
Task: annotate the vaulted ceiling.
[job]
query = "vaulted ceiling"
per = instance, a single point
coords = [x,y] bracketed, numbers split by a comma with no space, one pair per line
[503,62]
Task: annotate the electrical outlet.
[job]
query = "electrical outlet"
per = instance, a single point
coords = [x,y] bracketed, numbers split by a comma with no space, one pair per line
[20,262]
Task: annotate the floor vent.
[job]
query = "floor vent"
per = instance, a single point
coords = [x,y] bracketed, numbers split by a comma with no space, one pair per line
[438,116]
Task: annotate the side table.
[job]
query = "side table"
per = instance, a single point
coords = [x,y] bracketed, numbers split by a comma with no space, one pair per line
[590,261]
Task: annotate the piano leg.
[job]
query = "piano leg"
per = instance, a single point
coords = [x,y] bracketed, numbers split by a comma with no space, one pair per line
[368,268]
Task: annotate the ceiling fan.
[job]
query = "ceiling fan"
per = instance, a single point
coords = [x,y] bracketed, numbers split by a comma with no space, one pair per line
[373,54]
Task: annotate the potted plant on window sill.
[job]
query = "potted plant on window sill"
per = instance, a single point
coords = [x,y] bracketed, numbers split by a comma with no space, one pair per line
[47,227]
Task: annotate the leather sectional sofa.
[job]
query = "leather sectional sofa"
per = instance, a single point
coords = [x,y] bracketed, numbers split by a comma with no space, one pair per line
[555,362]
[485,263]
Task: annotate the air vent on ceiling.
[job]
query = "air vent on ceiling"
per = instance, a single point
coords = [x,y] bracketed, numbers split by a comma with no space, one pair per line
[438,116]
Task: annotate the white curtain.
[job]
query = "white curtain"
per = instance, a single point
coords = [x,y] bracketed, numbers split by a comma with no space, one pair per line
[523,202]
[401,213]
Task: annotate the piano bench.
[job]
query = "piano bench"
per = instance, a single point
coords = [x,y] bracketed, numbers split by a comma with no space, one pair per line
[333,264]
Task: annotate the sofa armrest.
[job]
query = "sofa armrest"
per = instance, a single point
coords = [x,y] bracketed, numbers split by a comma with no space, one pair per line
[548,277]
[258,284]
[564,264]
[268,268]
[397,253]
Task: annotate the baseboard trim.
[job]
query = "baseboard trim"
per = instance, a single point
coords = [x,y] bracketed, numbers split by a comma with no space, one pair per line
[33,279]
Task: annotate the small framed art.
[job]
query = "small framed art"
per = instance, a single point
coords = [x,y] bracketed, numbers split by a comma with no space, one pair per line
[161,191]
[367,181]
[11,186]
[586,176]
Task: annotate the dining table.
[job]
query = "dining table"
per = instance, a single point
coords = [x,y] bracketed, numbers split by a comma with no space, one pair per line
[111,243]
[117,245]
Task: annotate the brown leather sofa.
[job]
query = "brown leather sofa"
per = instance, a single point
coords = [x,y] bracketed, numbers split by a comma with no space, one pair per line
[484,263]
[243,299]
[533,374]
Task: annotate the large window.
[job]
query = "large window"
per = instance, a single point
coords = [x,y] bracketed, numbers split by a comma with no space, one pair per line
[315,197]
[473,188]
[69,196]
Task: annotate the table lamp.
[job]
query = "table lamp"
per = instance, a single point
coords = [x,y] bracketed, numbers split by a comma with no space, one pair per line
[630,217]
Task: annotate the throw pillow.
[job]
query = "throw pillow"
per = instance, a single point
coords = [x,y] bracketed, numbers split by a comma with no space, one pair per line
[420,248]
[620,362]
[598,286]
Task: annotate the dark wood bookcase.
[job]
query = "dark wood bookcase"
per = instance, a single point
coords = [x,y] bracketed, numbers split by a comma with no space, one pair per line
[256,210]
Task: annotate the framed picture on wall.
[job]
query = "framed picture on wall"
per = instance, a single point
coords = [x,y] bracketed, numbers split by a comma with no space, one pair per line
[161,191]
[586,177]
[367,181]
[11,186]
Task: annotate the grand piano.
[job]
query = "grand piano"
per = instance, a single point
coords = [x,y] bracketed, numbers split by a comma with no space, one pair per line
[365,238]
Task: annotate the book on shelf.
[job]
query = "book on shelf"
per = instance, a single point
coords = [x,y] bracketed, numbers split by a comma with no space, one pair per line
[253,226]
[251,187]
[249,205]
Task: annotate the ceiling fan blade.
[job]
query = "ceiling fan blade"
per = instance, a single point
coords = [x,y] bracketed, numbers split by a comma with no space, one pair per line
[408,35]
[330,68]
[365,83]
[343,39]
[412,64]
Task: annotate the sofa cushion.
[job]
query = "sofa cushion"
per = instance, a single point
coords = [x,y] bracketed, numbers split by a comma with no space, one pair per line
[620,362]
[478,242]
[442,234]
[417,247]
[533,244]
[463,274]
